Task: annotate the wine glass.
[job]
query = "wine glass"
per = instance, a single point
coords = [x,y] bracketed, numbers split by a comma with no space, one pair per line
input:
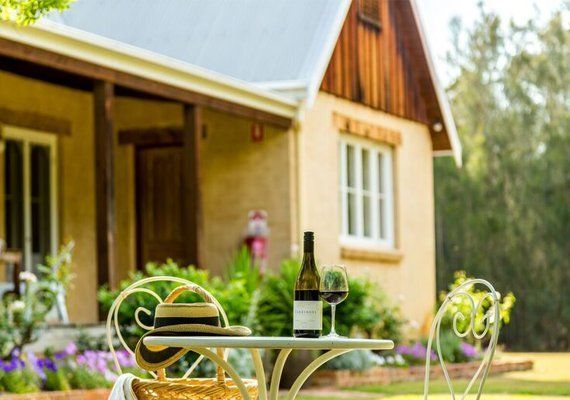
[333,289]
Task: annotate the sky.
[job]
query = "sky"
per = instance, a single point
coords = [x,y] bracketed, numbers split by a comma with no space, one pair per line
[436,15]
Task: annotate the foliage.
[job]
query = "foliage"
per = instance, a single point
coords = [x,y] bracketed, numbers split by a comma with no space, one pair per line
[63,370]
[21,318]
[366,312]
[235,292]
[274,316]
[362,360]
[25,12]
[463,306]
[359,360]
[504,216]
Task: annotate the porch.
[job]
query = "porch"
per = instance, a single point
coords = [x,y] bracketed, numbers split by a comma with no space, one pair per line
[132,169]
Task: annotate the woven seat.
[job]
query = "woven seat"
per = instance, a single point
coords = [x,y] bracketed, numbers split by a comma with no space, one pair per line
[190,389]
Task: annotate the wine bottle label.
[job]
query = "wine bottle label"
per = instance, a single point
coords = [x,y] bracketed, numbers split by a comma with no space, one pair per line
[307,315]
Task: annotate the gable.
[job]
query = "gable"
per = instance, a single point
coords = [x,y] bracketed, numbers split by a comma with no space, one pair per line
[379,61]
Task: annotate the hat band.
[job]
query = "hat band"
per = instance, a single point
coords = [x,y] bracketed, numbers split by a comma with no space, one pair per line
[167,321]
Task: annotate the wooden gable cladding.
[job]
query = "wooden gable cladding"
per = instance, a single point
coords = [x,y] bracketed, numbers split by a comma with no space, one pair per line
[373,65]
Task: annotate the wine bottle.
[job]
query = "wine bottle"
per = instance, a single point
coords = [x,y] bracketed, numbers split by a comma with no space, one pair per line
[307,307]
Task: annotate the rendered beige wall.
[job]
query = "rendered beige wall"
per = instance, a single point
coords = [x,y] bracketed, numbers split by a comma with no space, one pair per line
[75,173]
[411,281]
[238,175]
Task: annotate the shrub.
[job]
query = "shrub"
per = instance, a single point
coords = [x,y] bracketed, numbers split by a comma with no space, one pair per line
[235,292]
[64,370]
[367,311]
[21,318]
[463,306]
[359,360]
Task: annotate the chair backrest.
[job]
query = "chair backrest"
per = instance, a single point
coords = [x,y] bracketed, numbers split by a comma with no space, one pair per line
[112,326]
[490,322]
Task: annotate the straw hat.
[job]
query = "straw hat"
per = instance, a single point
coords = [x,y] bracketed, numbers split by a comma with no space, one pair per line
[181,319]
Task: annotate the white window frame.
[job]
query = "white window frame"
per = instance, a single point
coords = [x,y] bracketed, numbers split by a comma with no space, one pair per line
[375,242]
[30,137]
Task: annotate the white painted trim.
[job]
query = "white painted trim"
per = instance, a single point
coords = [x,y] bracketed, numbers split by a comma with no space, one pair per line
[326,53]
[61,39]
[27,137]
[283,85]
[439,92]
[359,240]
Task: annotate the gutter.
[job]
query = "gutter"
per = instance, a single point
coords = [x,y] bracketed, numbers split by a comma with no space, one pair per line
[85,46]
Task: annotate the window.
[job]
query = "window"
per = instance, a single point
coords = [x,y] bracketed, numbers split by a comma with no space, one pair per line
[366,193]
[29,193]
[369,13]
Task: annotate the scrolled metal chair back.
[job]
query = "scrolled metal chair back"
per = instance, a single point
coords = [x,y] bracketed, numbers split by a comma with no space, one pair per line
[112,325]
[490,322]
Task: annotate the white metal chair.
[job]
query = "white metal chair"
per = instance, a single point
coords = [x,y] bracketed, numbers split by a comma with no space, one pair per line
[491,324]
[219,387]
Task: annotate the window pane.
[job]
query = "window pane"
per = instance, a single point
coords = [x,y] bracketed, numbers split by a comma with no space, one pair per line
[40,202]
[350,165]
[382,218]
[365,169]
[351,214]
[381,188]
[367,216]
[13,194]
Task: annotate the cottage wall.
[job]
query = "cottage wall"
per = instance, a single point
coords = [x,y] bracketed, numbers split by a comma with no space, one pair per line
[238,175]
[407,272]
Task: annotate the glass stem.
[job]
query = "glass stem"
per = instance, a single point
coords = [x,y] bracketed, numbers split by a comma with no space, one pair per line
[333,310]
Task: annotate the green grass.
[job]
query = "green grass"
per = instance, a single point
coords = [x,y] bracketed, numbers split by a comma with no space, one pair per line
[550,377]
[497,385]
[549,380]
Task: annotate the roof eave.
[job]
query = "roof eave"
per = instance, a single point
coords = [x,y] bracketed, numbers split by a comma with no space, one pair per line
[449,123]
[112,54]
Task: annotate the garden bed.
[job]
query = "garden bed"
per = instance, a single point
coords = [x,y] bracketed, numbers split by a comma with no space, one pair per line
[93,394]
[388,375]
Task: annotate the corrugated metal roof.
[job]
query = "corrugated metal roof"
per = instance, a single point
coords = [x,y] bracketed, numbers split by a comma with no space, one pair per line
[252,40]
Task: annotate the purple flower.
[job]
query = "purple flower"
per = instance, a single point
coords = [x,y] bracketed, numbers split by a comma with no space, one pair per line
[468,350]
[403,350]
[12,366]
[125,358]
[70,349]
[37,365]
[50,365]
[417,351]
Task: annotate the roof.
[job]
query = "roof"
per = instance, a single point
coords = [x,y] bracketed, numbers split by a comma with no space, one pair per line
[274,46]
[252,40]
[118,56]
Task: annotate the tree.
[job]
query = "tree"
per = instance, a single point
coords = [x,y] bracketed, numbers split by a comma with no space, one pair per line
[505,216]
[25,12]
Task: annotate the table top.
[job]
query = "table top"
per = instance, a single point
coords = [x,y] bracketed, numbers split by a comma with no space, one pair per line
[270,342]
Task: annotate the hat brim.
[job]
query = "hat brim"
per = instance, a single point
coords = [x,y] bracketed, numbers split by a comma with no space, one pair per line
[153,358]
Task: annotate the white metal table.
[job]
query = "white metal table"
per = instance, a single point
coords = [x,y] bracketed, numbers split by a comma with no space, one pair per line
[335,347]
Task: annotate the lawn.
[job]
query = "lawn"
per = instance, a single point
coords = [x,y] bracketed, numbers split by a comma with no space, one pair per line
[549,380]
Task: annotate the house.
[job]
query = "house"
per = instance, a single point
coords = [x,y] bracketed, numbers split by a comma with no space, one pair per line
[149,132]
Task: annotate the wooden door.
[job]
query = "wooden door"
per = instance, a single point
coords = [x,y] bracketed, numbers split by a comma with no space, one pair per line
[160,205]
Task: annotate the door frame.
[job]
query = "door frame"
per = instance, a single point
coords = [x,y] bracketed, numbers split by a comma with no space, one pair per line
[29,136]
